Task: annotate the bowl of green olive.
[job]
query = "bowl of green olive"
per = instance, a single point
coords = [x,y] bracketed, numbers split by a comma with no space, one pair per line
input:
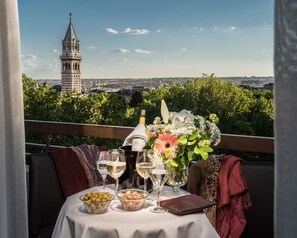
[96,202]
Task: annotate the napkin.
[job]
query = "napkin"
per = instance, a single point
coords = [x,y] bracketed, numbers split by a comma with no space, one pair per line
[138,132]
[186,204]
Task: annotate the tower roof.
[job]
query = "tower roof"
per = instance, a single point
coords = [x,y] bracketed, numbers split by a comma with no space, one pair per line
[70,34]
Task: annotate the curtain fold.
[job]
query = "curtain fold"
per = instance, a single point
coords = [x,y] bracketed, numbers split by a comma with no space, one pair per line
[285,68]
[13,194]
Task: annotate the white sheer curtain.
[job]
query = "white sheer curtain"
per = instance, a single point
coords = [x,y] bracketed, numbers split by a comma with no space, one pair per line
[286,118]
[13,198]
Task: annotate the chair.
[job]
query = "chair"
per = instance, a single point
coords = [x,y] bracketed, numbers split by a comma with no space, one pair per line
[259,177]
[45,196]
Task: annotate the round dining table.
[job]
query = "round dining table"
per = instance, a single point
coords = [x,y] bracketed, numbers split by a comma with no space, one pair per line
[74,221]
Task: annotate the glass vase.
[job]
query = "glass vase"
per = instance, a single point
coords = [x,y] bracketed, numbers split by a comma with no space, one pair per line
[177,178]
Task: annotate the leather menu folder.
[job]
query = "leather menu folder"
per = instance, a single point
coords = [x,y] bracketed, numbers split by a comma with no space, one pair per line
[186,204]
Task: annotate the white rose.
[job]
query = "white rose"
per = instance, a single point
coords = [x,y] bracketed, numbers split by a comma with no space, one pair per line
[180,117]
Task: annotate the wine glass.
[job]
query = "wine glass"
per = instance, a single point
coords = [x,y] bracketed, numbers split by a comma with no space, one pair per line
[158,176]
[116,165]
[101,166]
[144,164]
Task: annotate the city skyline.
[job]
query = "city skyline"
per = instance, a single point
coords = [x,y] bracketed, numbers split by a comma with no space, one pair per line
[145,39]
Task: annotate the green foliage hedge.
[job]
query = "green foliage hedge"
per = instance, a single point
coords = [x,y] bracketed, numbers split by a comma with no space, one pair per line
[241,111]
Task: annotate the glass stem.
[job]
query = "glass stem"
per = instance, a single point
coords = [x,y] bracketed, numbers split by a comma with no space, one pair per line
[158,197]
[116,185]
[104,184]
[145,185]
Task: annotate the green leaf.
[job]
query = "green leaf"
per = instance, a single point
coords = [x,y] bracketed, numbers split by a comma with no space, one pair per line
[204,155]
[206,149]
[194,135]
[182,140]
[152,140]
[171,163]
[190,155]
[191,142]
[197,150]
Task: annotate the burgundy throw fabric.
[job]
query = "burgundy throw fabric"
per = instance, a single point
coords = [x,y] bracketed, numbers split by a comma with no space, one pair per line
[76,168]
[87,155]
[70,172]
[232,199]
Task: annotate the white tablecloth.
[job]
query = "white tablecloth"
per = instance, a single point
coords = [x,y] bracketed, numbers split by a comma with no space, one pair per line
[74,221]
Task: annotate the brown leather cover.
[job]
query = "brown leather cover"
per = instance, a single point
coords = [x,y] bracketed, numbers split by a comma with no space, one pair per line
[186,204]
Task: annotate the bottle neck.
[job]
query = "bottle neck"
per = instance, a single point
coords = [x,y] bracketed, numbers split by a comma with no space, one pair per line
[142,120]
[142,117]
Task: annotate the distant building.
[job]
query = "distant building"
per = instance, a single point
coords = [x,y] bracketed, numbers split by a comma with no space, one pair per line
[70,61]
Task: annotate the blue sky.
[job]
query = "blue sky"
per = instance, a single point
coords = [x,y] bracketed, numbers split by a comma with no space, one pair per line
[150,38]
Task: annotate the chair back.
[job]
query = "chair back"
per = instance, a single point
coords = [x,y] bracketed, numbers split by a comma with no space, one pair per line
[45,195]
[259,177]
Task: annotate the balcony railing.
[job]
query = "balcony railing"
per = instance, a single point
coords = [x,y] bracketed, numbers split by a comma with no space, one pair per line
[228,141]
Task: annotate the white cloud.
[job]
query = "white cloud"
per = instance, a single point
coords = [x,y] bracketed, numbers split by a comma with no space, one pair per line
[130,31]
[29,61]
[29,57]
[91,47]
[158,31]
[140,51]
[215,28]
[232,28]
[124,51]
[56,51]
[196,28]
[184,49]
[136,51]
[111,31]
[118,59]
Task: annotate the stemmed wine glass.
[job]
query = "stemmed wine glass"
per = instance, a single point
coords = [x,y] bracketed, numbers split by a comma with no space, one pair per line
[116,165]
[158,176]
[144,164]
[101,166]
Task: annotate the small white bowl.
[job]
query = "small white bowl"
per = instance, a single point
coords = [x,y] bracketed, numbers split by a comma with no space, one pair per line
[132,199]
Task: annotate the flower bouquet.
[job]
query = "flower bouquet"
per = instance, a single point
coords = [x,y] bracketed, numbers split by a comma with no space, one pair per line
[178,138]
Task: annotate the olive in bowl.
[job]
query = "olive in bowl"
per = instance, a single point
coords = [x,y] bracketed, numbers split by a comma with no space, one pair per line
[96,202]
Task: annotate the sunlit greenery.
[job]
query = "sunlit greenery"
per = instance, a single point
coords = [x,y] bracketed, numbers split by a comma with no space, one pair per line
[241,111]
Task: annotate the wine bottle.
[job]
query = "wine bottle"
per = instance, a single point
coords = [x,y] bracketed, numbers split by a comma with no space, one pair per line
[139,142]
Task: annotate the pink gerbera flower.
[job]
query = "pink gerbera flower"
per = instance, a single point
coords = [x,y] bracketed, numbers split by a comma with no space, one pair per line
[165,142]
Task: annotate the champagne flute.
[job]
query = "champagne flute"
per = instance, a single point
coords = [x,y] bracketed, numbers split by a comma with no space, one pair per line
[116,165]
[101,166]
[144,164]
[158,176]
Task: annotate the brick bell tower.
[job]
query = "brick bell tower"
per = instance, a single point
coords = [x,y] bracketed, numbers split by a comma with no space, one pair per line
[70,61]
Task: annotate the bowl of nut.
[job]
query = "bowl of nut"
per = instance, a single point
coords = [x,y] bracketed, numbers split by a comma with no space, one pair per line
[96,202]
[132,199]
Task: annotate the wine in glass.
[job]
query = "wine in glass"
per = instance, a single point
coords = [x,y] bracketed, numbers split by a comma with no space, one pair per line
[116,165]
[144,164]
[158,176]
[101,166]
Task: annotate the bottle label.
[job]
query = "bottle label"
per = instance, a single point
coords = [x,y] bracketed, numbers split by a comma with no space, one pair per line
[138,144]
